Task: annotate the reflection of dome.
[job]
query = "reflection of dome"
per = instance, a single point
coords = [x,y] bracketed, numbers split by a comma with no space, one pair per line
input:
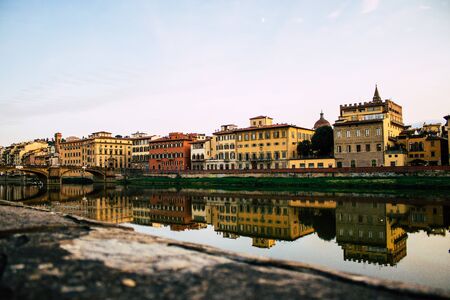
[321,122]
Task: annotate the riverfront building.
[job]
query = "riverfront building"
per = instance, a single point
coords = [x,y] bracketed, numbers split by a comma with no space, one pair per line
[14,154]
[422,146]
[100,149]
[224,151]
[173,152]
[140,149]
[201,152]
[265,145]
[364,131]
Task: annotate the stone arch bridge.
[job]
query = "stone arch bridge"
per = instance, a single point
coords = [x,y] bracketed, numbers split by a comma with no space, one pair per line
[54,175]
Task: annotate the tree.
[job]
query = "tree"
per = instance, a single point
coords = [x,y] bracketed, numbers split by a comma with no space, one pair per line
[322,142]
[304,148]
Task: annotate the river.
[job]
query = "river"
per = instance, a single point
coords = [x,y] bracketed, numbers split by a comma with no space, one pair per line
[397,237]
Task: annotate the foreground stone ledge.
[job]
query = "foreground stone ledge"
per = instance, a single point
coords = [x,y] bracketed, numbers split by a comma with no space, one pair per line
[45,255]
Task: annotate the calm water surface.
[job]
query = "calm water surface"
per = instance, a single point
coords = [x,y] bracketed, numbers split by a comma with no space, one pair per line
[400,238]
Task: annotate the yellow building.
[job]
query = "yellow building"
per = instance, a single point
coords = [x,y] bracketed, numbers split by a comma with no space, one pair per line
[308,163]
[364,131]
[395,158]
[223,156]
[100,149]
[13,155]
[424,146]
[265,145]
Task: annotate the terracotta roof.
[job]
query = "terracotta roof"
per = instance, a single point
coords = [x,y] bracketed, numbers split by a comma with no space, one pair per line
[357,122]
[167,139]
[201,141]
[269,126]
[260,117]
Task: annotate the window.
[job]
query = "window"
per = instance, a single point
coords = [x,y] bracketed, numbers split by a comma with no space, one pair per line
[338,149]
[378,147]
[378,131]
[358,133]
[358,148]
[348,133]
[311,165]
[374,163]
[433,154]
[353,164]
[367,132]
[349,148]
[339,134]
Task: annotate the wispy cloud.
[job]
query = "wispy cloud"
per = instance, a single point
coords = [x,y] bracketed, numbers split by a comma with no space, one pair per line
[335,14]
[424,7]
[369,6]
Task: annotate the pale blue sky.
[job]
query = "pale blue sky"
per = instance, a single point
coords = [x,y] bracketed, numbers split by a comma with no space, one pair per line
[159,66]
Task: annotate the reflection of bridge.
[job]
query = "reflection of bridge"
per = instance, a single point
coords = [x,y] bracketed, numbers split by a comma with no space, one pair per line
[55,193]
[53,175]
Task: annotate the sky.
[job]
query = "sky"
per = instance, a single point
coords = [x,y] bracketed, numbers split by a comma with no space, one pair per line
[77,67]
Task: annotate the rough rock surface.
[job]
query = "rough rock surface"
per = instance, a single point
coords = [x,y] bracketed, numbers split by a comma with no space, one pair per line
[50,256]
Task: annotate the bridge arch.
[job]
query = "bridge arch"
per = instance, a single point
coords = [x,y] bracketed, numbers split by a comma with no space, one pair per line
[42,174]
[99,175]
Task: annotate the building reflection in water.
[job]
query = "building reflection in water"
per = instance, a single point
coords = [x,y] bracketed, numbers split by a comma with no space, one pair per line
[170,209]
[367,231]
[370,232]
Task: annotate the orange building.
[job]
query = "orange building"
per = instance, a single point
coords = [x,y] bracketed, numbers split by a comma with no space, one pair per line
[171,153]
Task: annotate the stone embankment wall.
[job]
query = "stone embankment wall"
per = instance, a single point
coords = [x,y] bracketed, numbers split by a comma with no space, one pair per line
[426,171]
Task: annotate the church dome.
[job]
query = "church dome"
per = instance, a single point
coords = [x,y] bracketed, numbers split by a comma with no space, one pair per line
[321,122]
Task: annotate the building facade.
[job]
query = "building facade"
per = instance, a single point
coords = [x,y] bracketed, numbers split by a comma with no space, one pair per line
[140,149]
[201,152]
[100,149]
[364,131]
[14,154]
[224,149]
[308,163]
[171,153]
[265,145]
[424,146]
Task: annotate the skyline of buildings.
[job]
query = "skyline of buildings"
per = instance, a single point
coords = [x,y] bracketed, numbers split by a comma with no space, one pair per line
[366,134]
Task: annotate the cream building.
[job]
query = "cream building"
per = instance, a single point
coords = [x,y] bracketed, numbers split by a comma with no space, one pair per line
[223,155]
[265,145]
[140,149]
[100,149]
[201,152]
[364,131]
